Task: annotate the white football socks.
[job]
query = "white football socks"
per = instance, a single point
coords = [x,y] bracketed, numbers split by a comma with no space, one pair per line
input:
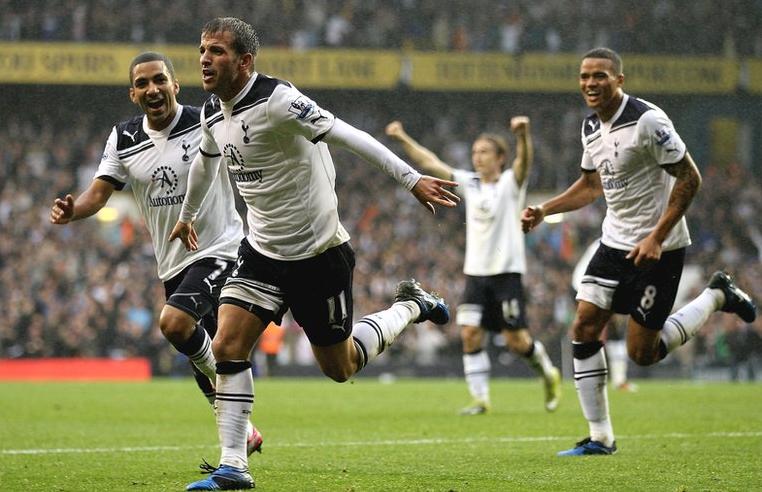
[235,399]
[686,322]
[539,360]
[476,368]
[374,332]
[590,382]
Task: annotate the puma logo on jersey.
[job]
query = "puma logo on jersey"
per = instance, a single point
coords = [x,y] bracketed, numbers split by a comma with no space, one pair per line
[131,135]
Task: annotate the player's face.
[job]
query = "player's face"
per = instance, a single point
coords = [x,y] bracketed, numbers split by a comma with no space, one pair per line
[600,86]
[485,158]
[222,70]
[155,91]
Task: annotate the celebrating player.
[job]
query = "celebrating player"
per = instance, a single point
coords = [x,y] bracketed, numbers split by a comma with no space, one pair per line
[152,154]
[296,256]
[495,258]
[634,158]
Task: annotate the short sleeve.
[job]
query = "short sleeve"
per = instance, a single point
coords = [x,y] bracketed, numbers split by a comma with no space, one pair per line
[290,111]
[111,168]
[587,162]
[660,139]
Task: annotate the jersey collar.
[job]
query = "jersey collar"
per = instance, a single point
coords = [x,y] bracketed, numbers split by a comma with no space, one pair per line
[228,106]
[619,111]
[166,131]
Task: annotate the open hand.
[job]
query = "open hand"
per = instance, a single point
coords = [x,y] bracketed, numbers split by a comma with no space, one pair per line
[186,233]
[429,191]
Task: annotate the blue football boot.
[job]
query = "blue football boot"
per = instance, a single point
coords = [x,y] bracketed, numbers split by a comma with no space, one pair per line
[224,477]
[588,447]
[433,307]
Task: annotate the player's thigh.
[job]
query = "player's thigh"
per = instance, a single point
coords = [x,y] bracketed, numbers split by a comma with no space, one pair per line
[607,270]
[319,293]
[256,286]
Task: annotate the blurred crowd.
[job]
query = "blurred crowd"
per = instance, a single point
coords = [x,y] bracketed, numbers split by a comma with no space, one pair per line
[90,288]
[701,27]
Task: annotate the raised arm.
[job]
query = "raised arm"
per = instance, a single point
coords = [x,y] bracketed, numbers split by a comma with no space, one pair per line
[524,148]
[426,189]
[93,199]
[582,192]
[425,159]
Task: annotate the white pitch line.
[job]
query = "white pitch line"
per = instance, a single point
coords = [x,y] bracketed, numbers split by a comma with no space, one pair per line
[397,442]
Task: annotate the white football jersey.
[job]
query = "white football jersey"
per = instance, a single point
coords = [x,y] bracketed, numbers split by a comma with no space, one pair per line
[494,241]
[156,164]
[269,136]
[627,152]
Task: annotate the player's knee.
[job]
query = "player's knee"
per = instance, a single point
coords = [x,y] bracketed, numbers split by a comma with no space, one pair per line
[518,341]
[471,336]
[175,328]
[586,328]
[641,356]
[338,374]
[224,349]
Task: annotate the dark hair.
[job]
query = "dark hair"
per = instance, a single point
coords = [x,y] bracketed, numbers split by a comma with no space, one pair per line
[149,56]
[245,39]
[608,54]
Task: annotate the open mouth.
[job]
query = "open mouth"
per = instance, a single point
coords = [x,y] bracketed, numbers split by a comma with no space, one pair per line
[207,75]
[592,96]
[157,104]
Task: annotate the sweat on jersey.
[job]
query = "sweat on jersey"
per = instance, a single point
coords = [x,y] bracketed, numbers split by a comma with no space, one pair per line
[628,151]
[269,136]
[156,164]
[494,240]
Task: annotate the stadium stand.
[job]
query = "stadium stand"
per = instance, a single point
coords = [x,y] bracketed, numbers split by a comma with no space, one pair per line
[90,289]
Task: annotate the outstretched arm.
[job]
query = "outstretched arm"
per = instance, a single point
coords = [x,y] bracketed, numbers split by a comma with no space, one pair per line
[687,184]
[201,175]
[425,159]
[426,189]
[524,148]
[582,192]
[93,199]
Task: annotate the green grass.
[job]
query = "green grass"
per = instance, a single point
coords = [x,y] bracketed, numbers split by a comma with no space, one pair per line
[369,436]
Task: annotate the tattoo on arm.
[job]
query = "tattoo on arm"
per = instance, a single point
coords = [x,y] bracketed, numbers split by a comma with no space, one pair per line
[687,183]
